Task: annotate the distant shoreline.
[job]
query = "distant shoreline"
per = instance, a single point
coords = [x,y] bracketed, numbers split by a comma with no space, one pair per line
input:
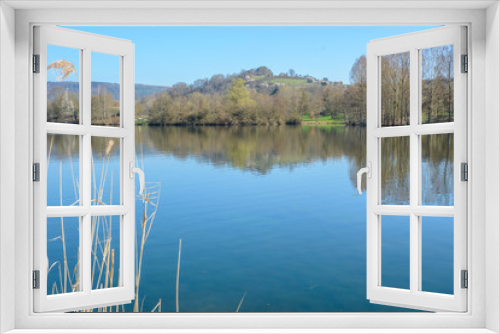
[306,123]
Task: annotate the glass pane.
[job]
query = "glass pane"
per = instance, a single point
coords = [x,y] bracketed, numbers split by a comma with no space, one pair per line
[63,84]
[106,171]
[395,89]
[105,104]
[395,171]
[437,169]
[63,170]
[395,251]
[437,84]
[63,242]
[437,254]
[105,252]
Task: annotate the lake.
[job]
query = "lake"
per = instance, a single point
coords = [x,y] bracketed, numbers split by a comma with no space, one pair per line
[268,213]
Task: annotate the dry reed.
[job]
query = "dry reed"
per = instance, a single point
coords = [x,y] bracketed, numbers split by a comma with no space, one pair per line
[241,302]
[103,253]
[177,279]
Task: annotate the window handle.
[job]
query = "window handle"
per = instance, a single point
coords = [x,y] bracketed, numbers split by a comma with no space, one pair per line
[368,171]
[133,170]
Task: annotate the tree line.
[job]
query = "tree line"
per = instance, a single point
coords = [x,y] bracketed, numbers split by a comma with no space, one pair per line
[436,90]
[258,97]
[270,100]
[65,107]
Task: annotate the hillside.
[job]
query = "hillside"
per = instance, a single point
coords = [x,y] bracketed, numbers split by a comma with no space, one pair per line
[261,79]
[254,97]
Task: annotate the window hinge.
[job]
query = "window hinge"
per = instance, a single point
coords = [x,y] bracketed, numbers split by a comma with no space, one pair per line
[36,279]
[36,63]
[465,64]
[36,172]
[465,279]
[464,171]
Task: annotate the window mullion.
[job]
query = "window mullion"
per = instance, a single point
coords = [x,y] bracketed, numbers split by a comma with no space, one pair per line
[108,210]
[85,186]
[86,118]
[101,131]
[414,173]
[67,129]
[67,211]
[85,254]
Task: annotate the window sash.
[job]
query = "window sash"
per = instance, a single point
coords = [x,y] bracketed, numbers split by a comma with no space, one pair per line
[414,298]
[86,298]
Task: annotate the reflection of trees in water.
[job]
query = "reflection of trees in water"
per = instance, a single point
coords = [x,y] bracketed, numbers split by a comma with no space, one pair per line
[61,147]
[437,169]
[395,170]
[259,149]
[64,146]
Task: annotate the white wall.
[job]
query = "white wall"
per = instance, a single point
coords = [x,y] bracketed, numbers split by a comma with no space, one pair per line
[491,167]
[7,159]
[485,178]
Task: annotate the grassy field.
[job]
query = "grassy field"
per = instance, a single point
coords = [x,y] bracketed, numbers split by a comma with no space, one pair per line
[323,120]
[290,81]
[141,121]
[258,77]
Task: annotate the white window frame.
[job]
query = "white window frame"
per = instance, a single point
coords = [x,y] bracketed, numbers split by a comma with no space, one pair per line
[483,308]
[413,44]
[85,297]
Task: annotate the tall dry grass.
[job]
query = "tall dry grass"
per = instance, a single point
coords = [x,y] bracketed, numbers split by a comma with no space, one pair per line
[105,267]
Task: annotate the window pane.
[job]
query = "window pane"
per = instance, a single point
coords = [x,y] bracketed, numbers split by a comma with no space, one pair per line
[437,169]
[437,254]
[437,84]
[105,252]
[395,89]
[63,170]
[105,104]
[63,242]
[63,84]
[395,251]
[395,171]
[105,171]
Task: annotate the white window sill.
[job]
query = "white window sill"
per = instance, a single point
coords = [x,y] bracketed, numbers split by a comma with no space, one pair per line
[251,331]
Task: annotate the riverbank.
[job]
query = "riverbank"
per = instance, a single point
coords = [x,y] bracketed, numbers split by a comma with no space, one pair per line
[322,123]
[322,120]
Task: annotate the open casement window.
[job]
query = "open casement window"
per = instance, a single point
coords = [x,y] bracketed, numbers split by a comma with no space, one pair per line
[84,138]
[417,104]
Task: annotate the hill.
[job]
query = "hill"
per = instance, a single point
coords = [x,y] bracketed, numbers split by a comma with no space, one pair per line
[261,79]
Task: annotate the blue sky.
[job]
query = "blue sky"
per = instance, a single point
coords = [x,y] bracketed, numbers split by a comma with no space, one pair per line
[167,55]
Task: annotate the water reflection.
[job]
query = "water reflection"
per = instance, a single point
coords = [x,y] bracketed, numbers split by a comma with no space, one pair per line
[395,171]
[260,149]
[256,149]
[437,169]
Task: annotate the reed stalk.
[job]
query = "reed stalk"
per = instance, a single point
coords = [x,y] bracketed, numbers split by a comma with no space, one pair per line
[177,279]
[157,307]
[150,198]
[241,302]
[63,240]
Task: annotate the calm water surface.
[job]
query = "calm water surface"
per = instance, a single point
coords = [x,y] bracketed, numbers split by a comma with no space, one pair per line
[274,213]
